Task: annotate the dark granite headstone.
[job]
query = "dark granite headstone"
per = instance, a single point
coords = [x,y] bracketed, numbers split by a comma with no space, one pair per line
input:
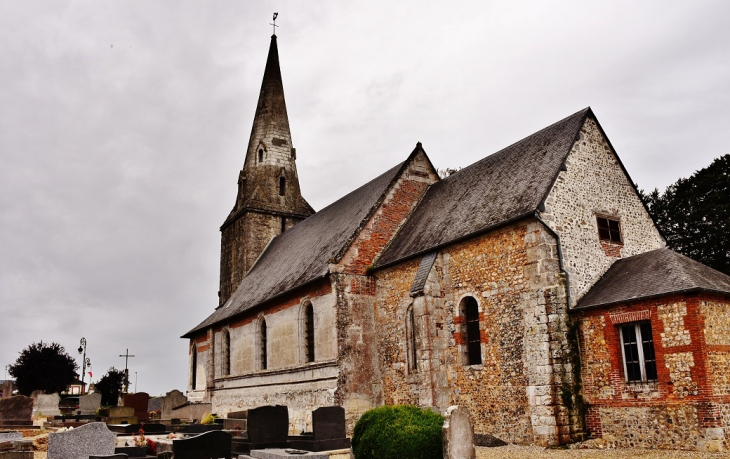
[16,411]
[268,424]
[328,424]
[209,445]
[139,402]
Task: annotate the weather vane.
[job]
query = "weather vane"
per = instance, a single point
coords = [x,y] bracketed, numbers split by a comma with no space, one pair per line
[274,23]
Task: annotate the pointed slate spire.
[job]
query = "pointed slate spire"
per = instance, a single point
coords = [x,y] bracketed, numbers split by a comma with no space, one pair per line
[269,200]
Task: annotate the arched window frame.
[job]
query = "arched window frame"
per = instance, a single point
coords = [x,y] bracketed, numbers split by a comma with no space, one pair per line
[261,155]
[193,366]
[307,333]
[471,330]
[226,352]
[411,340]
[261,344]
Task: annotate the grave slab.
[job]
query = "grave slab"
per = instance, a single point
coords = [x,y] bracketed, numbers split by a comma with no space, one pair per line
[10,435]
[458,434]
[46,404]
[329,431]
[139,402]
[276,453]
[93,439]
[16,455]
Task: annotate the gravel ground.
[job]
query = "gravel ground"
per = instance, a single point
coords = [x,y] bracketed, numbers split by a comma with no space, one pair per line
[536,452]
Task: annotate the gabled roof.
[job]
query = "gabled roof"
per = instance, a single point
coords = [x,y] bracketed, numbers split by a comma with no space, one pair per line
[502,187]
[651,274]
[302,254]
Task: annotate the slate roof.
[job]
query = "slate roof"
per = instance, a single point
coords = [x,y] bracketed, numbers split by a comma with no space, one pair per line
[302,254]
[505,186]
[422,274]
[652,274]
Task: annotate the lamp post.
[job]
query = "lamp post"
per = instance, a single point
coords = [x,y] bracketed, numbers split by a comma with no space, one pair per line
[85,362]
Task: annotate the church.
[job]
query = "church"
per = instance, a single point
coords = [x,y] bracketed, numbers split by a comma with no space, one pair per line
[531,287]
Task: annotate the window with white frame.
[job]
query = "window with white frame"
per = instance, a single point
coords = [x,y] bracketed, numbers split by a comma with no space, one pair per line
[637,348]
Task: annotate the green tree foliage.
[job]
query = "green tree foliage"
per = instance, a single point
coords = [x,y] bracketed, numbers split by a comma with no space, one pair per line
[398,432]
[110,386]
[45,367]
[694,214]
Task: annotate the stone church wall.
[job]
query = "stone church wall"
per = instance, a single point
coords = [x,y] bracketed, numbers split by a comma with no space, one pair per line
[685,406]
[594,184]
[514,275]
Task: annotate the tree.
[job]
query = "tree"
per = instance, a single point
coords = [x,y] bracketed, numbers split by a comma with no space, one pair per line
[110,385]
[694,214]
[45,367]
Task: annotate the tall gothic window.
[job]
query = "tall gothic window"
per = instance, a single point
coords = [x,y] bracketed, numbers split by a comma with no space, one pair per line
[261,156]
[309,332]
[226,363]
[282,186]
[470,312]
[412,356]
[262,344]
[194,369]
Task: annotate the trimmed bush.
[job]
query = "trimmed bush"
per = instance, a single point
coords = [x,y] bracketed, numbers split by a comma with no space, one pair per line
[398,432]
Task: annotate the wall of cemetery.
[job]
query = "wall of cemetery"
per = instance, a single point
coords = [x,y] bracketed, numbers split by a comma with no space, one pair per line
[514,275]
[686,406]
[594,184]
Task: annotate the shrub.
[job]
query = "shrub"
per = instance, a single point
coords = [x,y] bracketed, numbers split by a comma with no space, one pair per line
[398,432]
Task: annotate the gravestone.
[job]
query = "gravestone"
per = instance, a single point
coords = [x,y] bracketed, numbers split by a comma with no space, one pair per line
[7,388]
[16,411]
[458,434]
[139,402]
[207,445]
[172,400]
[92,439]
[329,431]
[111,456]
[268,427]
[46,404]
[88,404]
[134,428]
[236,420]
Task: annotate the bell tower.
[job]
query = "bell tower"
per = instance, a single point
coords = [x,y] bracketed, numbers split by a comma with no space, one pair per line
[269,200]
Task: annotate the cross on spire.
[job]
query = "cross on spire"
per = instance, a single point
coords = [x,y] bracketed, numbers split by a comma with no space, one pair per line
[274,23]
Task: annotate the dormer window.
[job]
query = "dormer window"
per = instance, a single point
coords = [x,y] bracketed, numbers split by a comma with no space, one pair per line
[609,229]
[261,155]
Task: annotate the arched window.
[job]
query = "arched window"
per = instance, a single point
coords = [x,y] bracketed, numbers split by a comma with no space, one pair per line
[282,186]
[226,361]
[309,332]
[470,313]
[261,155]
[194,369]
[262,344]
[412,357]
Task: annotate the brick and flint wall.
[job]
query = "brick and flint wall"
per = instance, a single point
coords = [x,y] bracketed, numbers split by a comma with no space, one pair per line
[515,394]
[688,406]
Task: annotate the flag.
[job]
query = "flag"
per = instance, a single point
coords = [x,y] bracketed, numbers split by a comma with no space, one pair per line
[90,375]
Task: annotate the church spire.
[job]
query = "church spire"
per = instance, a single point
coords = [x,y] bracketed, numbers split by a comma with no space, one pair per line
[269,199]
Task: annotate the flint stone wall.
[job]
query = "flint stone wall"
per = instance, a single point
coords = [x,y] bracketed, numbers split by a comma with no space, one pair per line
[594,184]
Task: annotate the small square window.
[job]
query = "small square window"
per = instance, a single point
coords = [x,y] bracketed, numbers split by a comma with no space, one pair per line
[608,229]
[637,349]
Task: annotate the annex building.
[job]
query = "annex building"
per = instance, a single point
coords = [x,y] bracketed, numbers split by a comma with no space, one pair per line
[531,287]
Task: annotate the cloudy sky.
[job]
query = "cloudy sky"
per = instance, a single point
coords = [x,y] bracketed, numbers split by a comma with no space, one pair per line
[123,125]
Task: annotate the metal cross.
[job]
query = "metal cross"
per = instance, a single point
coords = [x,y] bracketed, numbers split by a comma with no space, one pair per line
[274,23]
[126,370]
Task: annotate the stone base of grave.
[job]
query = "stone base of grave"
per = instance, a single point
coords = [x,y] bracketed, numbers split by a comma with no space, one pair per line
[245,447]
[16,455]
[284,453]
[307,443]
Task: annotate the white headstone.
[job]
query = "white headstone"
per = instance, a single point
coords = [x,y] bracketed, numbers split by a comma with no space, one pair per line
[458,433]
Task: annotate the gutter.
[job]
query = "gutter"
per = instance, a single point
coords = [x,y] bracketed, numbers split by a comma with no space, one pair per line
[654,295]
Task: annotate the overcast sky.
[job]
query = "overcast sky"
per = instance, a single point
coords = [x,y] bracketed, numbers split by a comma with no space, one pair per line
[123,125]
